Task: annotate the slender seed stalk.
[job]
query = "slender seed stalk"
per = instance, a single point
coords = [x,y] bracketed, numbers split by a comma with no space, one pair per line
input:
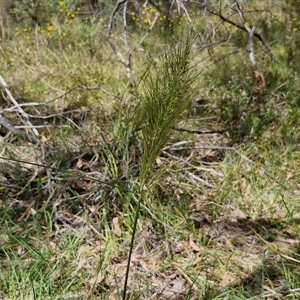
[169,89]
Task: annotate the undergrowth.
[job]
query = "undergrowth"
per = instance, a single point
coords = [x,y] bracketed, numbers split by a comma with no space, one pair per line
[198,160]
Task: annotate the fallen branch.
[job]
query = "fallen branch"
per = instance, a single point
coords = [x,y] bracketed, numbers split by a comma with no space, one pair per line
[220,131]
[5,123]
[233,149]
[24,116]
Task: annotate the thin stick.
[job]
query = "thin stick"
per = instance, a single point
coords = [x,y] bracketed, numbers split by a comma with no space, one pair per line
[145,35]
[5,123]
[112,17]
[251,32]
[136,218]
[256,34]
[20,110]
[265,171]
[220,131]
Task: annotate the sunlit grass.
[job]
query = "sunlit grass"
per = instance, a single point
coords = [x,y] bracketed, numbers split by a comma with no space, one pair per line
[250,201]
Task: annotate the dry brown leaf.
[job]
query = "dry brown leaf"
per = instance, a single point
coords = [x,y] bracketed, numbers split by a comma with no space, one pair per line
[288,241]
[144,265]
[169,293]
[55,274]
[98,279]
[239,214]
[289,232]
[90,250]
[159,162]
[192,243]
[82,263]
[172,276]
[247,194]
[91,208]
[27,213]
[44,139]
[79,163]
[117,229]
[178,285]
[85,250]
[208,219]
[135,258]
[227,279]
[82,185]
[178,248]
[229,244]
[52,246]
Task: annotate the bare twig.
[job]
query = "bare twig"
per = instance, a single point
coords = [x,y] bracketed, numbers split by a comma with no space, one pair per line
[121,58]
[144,36]
[251,32]
[220,131]
[126,60]
[265,171]
[24,116]
[82,86]
[256,34]
[196,179]
[186,162]
[5,123]
[42,126]
[30,104]
[181,6]
[112,17]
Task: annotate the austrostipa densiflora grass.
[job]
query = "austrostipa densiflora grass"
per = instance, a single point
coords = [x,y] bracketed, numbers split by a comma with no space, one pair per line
[168,92]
